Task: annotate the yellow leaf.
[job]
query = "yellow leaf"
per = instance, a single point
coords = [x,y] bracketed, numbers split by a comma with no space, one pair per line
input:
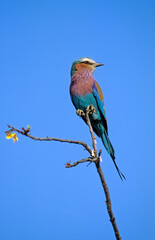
[15,139]
[8,135]
[12,135]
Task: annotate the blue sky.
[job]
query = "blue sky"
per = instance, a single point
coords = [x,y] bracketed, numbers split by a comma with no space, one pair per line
[40,199]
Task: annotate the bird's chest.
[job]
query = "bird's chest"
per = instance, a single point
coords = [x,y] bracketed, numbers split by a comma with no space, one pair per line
[81,84]
[80,88]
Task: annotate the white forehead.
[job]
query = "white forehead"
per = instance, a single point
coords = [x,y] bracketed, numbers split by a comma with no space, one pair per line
[88,59]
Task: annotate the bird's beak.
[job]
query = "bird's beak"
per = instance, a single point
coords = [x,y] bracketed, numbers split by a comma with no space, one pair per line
[98,64]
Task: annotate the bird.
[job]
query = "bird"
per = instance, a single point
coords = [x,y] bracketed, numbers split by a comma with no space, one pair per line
[84,92]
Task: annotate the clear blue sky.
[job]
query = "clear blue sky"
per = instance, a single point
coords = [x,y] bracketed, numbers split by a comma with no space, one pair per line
[39,40]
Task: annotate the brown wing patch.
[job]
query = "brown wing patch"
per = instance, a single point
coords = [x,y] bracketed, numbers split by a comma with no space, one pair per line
[100,95]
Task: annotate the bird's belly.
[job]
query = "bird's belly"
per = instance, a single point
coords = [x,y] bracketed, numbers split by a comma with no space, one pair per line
[82,102]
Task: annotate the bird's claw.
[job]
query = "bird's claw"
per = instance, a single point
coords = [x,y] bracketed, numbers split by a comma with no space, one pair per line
[91,109]
[80,112]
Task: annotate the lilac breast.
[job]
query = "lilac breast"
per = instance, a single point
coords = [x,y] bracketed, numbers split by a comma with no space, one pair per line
[81,83]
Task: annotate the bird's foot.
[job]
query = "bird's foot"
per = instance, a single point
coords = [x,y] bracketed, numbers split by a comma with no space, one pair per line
[91,109]
[80,112]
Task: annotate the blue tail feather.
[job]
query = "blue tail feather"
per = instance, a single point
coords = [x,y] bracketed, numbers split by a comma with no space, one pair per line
[110,150]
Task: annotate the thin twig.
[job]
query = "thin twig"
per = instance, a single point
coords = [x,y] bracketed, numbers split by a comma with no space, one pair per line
[69,165]
[23,132]
[90,109]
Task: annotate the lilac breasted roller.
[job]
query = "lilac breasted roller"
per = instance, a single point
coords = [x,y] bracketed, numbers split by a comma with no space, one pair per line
[85,91]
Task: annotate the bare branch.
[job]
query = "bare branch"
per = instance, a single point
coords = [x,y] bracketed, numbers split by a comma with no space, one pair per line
[93,158]
[99,170]
[108,201]
[24,132]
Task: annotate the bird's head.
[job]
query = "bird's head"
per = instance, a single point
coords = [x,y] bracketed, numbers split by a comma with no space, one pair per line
[85,63]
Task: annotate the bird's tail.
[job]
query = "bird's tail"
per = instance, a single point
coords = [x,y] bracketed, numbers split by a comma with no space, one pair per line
[110,150]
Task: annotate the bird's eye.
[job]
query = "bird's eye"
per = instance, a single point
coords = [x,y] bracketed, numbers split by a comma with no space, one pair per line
[86,62]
